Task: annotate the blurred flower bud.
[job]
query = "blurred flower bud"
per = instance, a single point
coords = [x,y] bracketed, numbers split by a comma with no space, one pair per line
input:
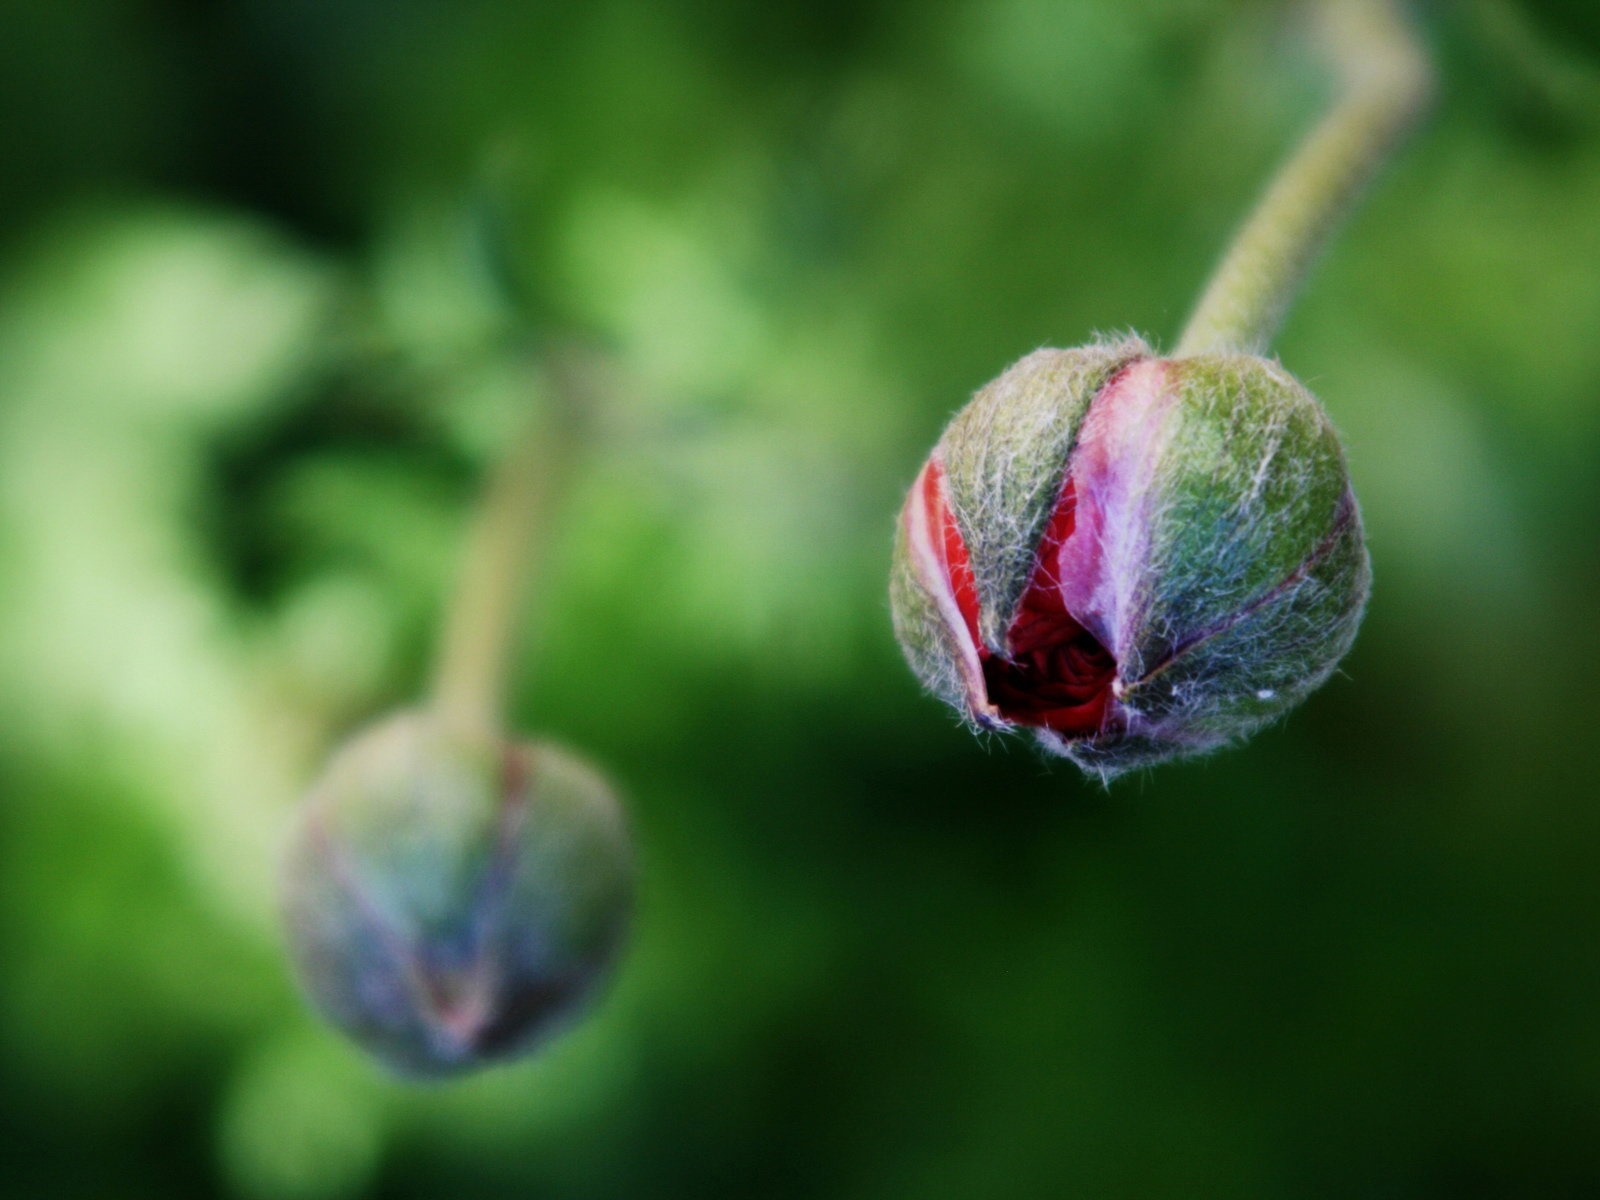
[1137,557]
[450,898]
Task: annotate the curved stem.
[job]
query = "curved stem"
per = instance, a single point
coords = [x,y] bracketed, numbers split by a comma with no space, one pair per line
[506,534]
[1384,82]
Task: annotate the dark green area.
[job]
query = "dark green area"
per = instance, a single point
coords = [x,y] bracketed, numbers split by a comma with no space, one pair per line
[276,277]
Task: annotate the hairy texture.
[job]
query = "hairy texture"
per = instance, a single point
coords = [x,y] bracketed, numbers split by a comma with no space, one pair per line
[448,900]
[1003,456]
[1182,534]
[938,632]
[931,644]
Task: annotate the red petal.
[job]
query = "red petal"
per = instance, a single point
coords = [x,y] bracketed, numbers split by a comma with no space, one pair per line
[953,548]
[1055,674]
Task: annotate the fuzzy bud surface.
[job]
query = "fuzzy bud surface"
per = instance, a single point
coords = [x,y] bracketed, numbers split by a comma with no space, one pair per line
[448,898]
[1135,557]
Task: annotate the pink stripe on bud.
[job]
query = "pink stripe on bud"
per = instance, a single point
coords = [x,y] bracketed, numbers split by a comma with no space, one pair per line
[1113,467]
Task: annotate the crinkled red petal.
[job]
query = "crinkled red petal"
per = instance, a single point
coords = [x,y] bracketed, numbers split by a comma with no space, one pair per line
[1054,673]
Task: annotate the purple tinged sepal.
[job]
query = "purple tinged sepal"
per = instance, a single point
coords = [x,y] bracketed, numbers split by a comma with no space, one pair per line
[452,898]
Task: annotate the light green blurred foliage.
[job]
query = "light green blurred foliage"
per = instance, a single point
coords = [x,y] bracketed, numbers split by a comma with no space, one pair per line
[293,282]
[300,1124]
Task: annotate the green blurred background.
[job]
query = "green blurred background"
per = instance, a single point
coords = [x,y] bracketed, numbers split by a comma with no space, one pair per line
[276,280]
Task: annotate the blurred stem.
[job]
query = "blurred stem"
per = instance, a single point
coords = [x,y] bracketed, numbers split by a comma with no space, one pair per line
[1384,81]
[508,533]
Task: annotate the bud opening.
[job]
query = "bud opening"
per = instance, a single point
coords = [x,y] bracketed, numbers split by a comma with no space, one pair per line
[1054,673]
[1138,558]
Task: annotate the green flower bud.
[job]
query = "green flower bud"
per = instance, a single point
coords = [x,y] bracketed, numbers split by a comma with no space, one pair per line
[1136,557]
[450,898]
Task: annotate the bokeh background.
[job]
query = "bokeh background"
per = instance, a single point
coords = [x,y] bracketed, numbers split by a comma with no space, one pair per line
[278,279]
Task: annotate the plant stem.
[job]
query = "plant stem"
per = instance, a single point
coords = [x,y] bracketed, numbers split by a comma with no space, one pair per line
[507,532]
[1384,82]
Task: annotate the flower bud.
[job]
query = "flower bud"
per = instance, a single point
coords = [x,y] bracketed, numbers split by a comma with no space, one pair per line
[450,898]
[1136,557]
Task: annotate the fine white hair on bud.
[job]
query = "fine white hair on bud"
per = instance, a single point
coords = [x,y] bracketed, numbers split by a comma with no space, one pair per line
[452,898]
[1136,557]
